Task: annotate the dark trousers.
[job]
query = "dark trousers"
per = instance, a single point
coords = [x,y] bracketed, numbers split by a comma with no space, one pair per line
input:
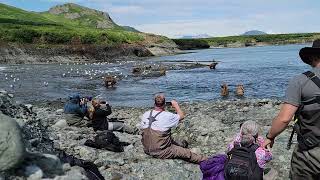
[305,165]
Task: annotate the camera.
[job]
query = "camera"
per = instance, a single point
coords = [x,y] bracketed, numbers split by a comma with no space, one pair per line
[168,104]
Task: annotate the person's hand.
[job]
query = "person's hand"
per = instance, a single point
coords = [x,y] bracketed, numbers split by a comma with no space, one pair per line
[174,103]
[268,143]
[82,101]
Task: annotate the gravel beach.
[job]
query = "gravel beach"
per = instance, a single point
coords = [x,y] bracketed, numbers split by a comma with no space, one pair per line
[209,127]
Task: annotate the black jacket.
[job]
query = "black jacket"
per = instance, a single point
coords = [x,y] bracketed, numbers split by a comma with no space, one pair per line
[100,121]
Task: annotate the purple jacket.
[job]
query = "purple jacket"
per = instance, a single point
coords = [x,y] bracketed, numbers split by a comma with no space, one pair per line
[213,168]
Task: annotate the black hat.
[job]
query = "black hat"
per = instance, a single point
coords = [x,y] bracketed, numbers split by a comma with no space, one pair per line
[307,52]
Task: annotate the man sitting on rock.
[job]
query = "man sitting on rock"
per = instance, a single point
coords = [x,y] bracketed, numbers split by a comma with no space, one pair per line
[75,110]
[100,121]
[156,137]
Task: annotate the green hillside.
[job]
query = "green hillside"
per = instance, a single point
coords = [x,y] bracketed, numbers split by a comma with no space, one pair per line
[265,38]
[17,25]
[243,41]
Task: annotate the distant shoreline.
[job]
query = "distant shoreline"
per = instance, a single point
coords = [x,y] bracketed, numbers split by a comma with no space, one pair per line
[246,41]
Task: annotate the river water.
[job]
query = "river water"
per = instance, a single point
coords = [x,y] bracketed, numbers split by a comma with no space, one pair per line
[264,72]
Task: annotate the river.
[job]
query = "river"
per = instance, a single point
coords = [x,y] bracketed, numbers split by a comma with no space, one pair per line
[264,72]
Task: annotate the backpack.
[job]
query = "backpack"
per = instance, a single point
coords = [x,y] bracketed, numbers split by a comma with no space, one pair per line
[242,164]
[107,140]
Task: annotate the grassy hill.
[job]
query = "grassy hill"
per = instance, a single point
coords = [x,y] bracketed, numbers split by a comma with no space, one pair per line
[64,24]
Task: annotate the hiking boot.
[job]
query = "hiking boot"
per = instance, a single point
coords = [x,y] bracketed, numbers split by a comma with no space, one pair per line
[130,130]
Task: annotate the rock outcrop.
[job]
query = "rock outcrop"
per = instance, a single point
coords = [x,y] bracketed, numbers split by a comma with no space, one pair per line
[80,13]
[12,150]
[31,54]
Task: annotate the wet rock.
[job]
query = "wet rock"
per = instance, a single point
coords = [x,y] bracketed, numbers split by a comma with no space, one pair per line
[29,107]
[59,111]
[61,124]
[12,149]
[49,164]
[75,173]
[268,105]
[33,172]
[2,91]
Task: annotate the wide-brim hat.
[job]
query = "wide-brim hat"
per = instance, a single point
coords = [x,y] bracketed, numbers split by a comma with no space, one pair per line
[307,52]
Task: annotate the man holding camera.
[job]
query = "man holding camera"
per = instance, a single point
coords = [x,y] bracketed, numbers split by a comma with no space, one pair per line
[156,136]
[75,110]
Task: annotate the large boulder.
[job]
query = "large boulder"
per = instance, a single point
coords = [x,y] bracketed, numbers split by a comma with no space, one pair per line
[12,149]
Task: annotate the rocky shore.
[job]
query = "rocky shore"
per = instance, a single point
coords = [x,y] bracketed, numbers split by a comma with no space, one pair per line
[13,53]
[209,127]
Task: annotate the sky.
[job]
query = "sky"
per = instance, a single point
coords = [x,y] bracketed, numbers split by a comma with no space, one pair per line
[176,18]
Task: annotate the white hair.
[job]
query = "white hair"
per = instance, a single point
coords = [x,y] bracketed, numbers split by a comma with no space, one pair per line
[249,132]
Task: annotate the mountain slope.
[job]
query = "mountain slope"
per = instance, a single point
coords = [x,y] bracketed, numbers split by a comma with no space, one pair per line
[13,15]
[17,25]
[73,32]
[83,15]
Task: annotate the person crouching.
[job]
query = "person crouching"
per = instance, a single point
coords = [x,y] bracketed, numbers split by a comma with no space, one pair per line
[98,115]
[156,135]
[75,110]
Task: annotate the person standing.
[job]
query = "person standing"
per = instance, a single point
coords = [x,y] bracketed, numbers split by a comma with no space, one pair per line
[303,100]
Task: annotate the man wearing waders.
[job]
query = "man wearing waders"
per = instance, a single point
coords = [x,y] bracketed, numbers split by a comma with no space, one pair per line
[302,101]
[156,136]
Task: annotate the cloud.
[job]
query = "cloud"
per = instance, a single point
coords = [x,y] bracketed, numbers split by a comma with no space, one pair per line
[272,22]
[127,10]
[214,17]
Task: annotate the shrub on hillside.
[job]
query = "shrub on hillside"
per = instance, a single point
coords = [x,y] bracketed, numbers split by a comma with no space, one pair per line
[89,38]
[58,37]
[24,35]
